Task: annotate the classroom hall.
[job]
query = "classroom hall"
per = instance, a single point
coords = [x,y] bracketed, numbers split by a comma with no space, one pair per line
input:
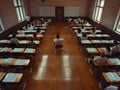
[59,45]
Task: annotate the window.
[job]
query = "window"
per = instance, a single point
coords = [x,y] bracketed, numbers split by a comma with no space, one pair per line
[97,14]
[118,26]
[117,23]
[19,10]
[1,26]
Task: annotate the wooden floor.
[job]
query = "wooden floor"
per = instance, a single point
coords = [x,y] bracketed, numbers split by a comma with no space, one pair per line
[65,71]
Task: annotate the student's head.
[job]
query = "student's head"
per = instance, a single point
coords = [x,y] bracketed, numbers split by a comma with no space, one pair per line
[13,35]
[38,30]
[35,35]
[108,48]
[82,26]
[84,34]
[79,31]
[57,36]
[115,42]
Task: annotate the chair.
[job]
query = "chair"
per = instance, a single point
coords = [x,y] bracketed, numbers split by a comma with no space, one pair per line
[58,48]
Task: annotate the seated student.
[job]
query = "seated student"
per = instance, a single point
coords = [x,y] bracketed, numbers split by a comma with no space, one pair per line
[100,59]
[32,44]
[112,87]
[115,48]
[35,37]
[14,41]
[58,42]
[38,30]
[79,31]
[84,36]
[108,52]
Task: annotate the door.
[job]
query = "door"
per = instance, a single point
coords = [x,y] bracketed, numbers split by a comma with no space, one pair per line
[59,13]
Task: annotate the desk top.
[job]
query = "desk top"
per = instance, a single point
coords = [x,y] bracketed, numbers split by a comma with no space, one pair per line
[30,50]
[14,62]
[18,50]
[85,42]
[23,41]
[111,77]
[114,61]
[4,41]
[101,50]
[21,62]
[5,49]
[95,41]
[92,50]
[12,78]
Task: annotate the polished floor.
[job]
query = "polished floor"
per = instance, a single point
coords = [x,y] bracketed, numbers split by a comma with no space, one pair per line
[64,71]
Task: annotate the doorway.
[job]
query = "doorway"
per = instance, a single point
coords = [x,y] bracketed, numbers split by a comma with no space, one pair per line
[59,13]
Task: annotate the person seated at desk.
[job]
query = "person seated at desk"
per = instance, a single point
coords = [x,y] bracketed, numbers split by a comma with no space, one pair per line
[83,28]
[14,41]
[58,42]
[84,36]
[112,87]
[100,59]
[35,37]
[32,44]
[108,52]
[30,27]
[79,31]
[38,30]
[115,48]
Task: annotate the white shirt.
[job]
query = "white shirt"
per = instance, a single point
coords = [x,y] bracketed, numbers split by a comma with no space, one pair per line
[14,40]
[116,49]
[58,41]
[100,59]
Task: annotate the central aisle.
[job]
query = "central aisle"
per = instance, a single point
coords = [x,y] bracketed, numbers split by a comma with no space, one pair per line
[65,71]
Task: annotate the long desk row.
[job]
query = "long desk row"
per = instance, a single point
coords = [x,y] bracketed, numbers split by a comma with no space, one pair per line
[16,63]
[22,43]
[95,45]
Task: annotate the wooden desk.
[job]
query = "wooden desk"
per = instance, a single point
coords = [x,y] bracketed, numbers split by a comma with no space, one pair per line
[3,41]
[76,28]
[22,62]
[27,31]
[43,28]
[2,74]
[14,62]
[7,61]
[18,50]
[23,42]
[100,64]
[114,61]
[111,77]
[101,50]
[86,43]
[12,78]
[5,49]
[92,50]
[30,51]
[96,43]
